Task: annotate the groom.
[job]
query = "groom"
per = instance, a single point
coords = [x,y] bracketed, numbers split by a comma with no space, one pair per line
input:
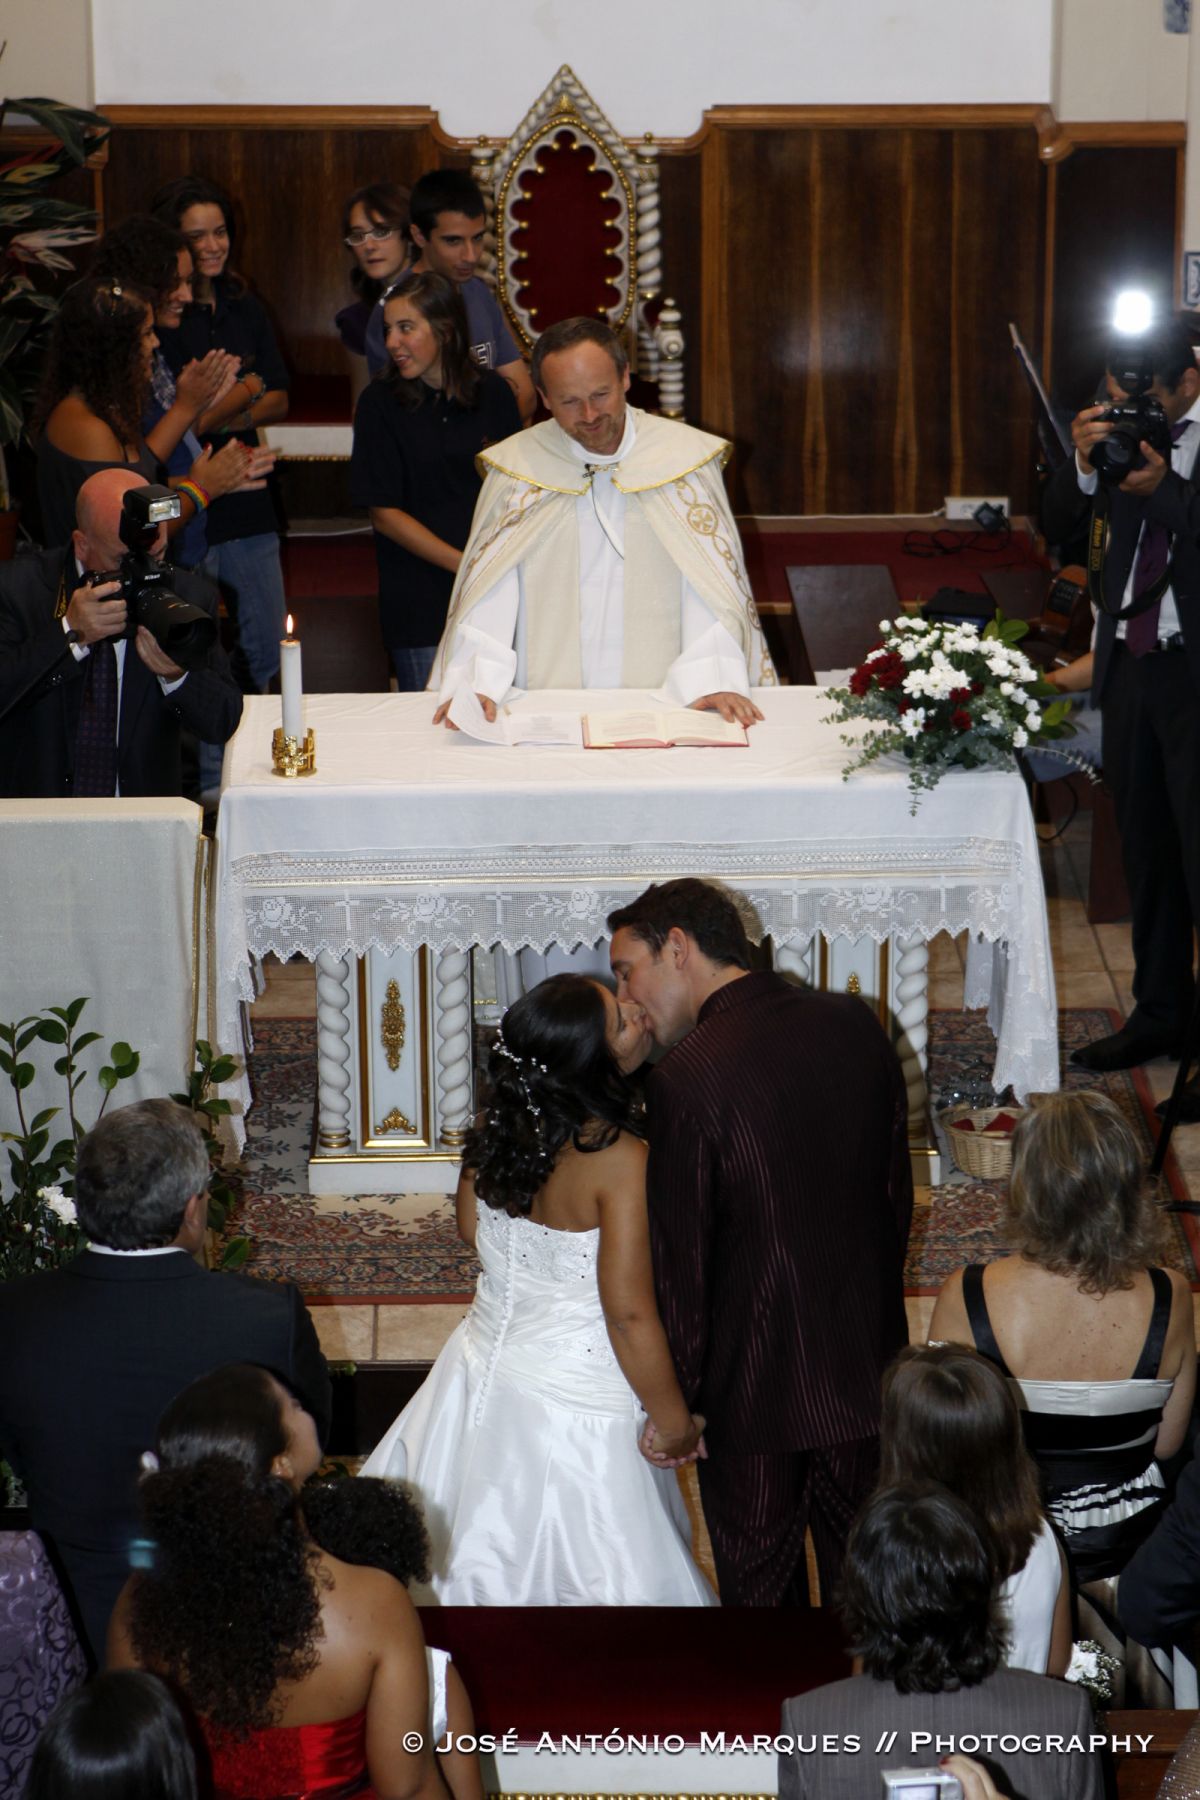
[780,1196]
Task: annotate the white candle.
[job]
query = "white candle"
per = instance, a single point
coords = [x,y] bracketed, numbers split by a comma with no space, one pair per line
[290,685]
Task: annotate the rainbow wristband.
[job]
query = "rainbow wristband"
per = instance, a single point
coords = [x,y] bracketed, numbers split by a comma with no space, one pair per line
[195,493]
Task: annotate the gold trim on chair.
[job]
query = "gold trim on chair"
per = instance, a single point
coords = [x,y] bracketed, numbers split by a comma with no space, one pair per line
[564,117]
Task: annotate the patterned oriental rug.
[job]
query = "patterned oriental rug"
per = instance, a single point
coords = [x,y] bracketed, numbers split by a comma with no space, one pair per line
[402,1250]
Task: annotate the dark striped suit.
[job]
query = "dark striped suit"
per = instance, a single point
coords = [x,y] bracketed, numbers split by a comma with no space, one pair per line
[780,1200]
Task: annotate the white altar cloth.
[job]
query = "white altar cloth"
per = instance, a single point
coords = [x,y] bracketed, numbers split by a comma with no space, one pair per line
[409,834]
[104,898]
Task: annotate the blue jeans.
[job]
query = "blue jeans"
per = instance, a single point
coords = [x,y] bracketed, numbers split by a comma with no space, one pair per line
[249,571]
[251,578]
[412,663]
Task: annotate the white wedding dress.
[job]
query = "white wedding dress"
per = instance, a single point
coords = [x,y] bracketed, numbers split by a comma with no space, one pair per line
[522,1445]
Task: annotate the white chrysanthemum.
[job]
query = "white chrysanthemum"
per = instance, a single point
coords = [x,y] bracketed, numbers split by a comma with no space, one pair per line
[1007,688]
[1020,738]
[993,718]
[59,1205]
[911,722]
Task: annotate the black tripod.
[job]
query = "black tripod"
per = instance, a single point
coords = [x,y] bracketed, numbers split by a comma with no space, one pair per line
[1191,1044]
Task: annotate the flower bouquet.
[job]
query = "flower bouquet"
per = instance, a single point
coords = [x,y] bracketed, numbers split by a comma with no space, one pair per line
[943,695]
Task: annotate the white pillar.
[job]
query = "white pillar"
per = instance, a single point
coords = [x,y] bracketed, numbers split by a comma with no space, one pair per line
[333,1052]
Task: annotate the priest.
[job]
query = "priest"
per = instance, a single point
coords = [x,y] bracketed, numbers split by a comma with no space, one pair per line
[603,553]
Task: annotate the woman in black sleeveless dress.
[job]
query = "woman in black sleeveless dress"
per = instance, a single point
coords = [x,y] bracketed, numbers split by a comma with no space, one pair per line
[1098,1342]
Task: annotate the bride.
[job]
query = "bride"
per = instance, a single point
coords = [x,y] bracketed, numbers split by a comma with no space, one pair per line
[522,1444]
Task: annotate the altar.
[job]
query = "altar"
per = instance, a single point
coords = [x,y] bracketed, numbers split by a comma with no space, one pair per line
[412,846]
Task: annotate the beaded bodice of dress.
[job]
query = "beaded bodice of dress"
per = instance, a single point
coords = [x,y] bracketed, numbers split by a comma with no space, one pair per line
[538,1299]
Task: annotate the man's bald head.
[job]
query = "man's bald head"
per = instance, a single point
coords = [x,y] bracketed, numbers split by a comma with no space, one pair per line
[97,537]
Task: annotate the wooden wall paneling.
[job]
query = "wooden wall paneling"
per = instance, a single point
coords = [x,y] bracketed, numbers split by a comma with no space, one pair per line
[680,202]
[289,184]
[998,209]
[857,287]
[1115,227]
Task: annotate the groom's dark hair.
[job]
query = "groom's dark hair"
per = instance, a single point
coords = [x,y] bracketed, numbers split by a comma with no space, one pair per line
[705,912]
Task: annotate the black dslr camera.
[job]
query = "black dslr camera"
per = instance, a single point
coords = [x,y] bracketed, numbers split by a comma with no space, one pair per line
[1137,420]
[185,632]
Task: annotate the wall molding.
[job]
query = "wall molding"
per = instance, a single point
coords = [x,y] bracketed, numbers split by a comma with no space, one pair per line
[1056,138]
[1059,138]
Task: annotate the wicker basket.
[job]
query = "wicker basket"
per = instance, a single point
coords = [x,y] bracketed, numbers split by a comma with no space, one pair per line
[987,1158]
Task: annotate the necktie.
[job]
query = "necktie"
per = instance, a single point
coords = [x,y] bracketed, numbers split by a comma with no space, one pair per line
[96,738]
[1141,633]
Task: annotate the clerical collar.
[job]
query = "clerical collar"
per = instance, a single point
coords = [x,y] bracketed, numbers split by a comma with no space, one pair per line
[582,454]
[154,1250]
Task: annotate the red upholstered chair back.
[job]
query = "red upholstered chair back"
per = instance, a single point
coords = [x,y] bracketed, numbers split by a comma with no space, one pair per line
[576,230]
[572,225]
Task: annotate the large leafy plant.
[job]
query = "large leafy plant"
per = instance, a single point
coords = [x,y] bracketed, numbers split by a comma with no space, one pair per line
[37,1219]
[35,229]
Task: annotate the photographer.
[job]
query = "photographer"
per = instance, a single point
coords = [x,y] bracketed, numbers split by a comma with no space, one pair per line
[1144,579]
[86,708]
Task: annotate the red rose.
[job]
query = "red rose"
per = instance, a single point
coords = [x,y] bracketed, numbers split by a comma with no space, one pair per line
[960,719]
[860,681]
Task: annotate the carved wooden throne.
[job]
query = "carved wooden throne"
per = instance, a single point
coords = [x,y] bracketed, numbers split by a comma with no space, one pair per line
[573,227]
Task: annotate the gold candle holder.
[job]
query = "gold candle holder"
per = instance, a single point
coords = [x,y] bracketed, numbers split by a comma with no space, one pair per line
[290,757]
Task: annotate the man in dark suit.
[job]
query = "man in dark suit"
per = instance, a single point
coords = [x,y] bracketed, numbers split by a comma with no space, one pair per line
[780,1194]
[92,1353]
[1159,1593]
[1146,682]
[83,710]
[921,1610]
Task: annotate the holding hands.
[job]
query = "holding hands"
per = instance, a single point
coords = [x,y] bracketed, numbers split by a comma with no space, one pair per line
[673,1452]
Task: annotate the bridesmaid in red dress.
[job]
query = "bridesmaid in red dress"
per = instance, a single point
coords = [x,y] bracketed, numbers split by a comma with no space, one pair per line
[307,1674]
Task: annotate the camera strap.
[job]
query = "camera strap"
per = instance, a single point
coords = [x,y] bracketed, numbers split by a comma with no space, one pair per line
[1097,548]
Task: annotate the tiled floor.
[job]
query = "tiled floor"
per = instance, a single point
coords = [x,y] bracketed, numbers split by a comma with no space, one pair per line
[1093,966]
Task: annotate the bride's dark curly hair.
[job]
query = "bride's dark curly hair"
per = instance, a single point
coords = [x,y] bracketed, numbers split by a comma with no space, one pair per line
[96,349]
[552,1080]
[231,1607]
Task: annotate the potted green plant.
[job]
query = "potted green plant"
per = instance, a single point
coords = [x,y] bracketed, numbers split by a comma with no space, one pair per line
[35,229]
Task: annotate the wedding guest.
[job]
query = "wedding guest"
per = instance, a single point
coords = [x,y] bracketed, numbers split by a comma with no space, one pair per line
[780,1195]
[922,1615]
[417,432]
[378,1524]
[1098,1340]
[123,1734]
[92,1352]
[243,529]
[95,386]
[152,255]
[949,1417]
[375,231]
[305,1672]
[522,1443]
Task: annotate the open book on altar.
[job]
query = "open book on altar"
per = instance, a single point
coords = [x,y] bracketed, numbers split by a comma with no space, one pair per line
[661,730]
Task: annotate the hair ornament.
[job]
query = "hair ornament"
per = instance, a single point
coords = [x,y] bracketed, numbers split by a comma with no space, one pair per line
[149,1463]
[519,1063]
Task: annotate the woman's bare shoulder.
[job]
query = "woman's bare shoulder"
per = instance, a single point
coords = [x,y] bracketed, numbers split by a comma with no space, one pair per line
[357,1591]
[76,430]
